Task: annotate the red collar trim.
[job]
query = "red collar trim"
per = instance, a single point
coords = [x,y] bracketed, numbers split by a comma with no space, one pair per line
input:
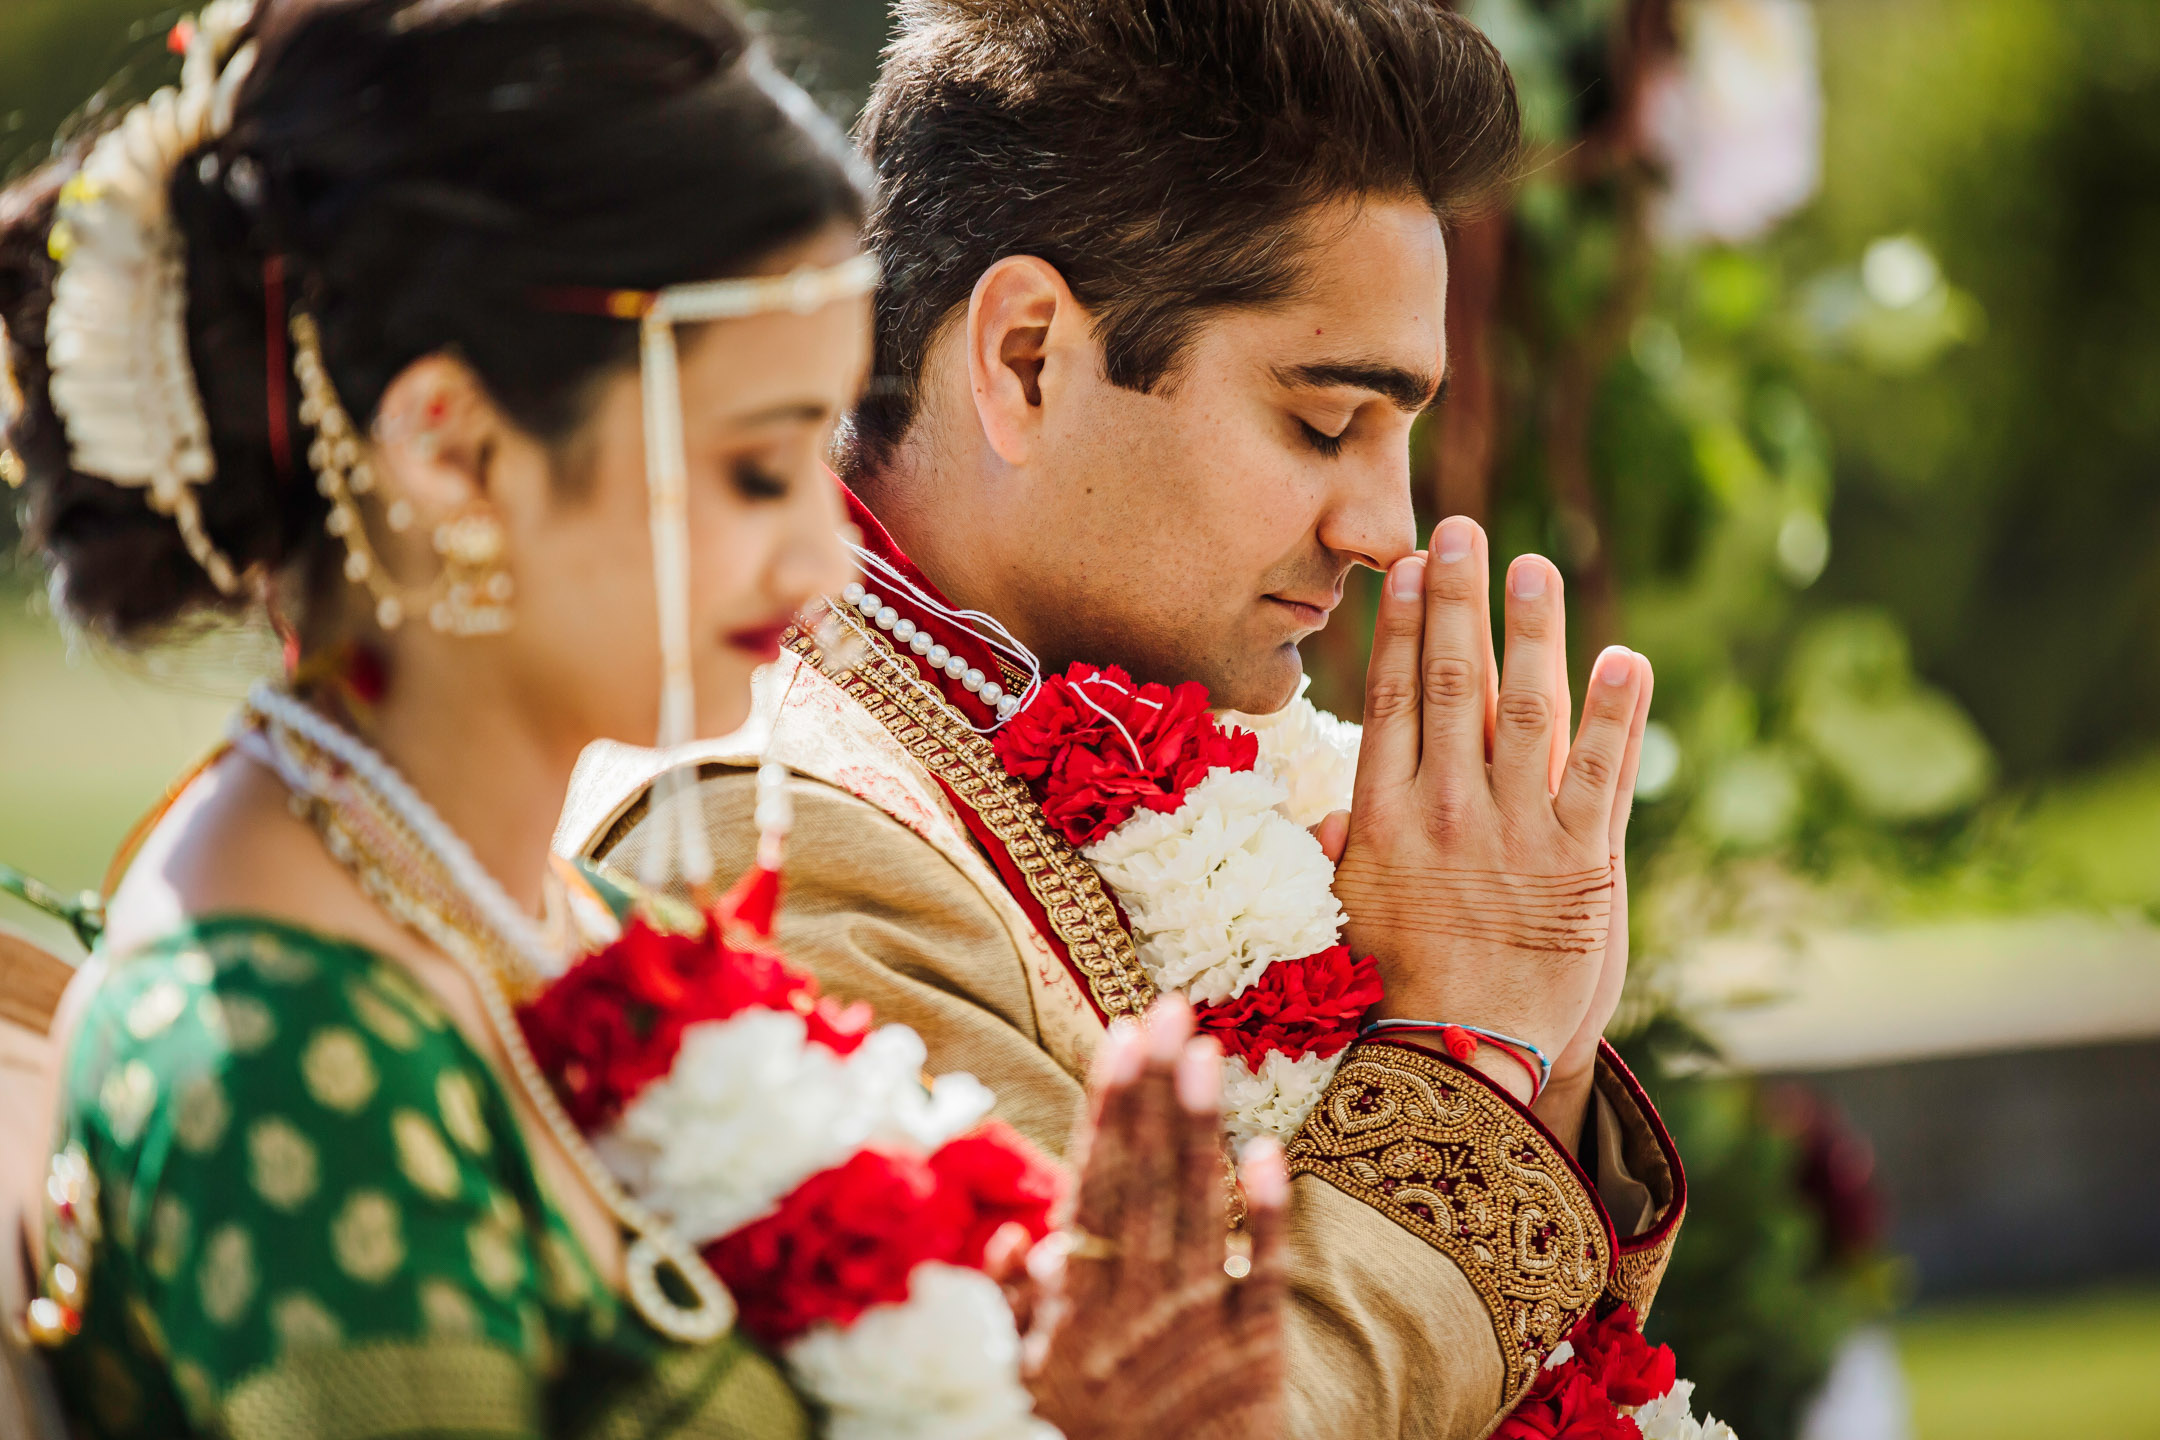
[879,542]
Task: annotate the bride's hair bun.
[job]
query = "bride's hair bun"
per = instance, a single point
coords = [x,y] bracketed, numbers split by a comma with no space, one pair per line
[419,168]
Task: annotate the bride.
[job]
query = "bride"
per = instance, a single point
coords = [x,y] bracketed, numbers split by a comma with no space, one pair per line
[492,347]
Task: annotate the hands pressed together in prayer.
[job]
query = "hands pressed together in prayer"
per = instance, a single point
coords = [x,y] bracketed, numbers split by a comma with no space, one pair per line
[1483,867]
[1147,1317]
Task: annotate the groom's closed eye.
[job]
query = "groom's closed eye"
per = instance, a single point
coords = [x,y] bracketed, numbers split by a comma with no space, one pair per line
[1410,391]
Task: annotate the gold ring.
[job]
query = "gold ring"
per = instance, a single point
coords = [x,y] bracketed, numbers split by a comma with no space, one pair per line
[1079,1244]
[1237,1257]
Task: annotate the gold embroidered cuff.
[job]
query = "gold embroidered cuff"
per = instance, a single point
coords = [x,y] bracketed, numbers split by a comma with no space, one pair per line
[1650,1156]
[1441,1152]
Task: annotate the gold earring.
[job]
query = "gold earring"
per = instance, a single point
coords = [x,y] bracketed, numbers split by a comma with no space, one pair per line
[472,594]
[476,590]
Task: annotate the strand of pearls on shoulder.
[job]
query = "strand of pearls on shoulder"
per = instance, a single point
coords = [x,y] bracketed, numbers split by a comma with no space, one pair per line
[904,631]
[276,730]
[516,930]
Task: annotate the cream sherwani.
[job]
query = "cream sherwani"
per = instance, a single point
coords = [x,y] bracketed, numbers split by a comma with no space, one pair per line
[1442,1243]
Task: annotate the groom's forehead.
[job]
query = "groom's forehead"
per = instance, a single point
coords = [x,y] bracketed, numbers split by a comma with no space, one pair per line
[1369,308]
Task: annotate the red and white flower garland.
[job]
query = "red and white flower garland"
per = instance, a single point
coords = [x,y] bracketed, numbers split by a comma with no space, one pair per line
[1199,825]
[1199,830]
[1605,1382]
[846,1204]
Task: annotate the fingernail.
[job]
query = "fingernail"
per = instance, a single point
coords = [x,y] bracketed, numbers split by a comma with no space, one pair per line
[1266,1177]
[1407,580]
[1527,580]
[1616,665]
[1119,1058]
[1168,1026]
[1457,538]
[1199,1078]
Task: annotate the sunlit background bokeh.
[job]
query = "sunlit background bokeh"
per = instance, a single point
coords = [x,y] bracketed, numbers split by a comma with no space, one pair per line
[1821,348]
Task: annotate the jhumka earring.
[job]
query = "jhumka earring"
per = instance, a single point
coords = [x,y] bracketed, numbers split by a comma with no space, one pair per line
[472,594]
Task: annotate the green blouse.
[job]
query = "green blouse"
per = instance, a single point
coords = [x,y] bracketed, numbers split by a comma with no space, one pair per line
[309,1214]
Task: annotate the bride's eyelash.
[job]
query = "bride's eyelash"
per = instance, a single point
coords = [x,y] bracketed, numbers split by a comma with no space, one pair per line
[754,482]
[1320,440]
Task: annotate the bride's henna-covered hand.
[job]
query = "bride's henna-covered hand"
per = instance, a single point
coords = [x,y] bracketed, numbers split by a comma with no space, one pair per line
[1140,1332]
[1483,867]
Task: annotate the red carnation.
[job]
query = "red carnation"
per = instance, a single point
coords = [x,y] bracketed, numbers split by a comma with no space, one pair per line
[1300,1007]
[844,1240]
[999,1179]
[848,1238]
[1579,1399]
[1566,1404]
[612,1024]
[1094,748]
[1629,1368]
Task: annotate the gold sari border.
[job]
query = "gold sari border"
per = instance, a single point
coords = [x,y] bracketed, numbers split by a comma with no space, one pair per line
[388,1388]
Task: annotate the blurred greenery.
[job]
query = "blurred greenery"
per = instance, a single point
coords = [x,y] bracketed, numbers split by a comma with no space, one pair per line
[2009,1370]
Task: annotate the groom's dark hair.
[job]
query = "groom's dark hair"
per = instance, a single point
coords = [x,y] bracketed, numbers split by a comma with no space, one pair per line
[1159,153]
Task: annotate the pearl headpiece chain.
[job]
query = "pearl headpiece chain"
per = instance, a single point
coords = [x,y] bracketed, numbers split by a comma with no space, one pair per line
[985,628]
[658,312]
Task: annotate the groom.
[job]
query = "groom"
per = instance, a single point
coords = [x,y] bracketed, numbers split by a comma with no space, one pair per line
[1163,294]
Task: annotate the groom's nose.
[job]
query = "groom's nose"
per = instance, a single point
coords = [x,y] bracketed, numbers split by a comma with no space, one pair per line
[1369,518]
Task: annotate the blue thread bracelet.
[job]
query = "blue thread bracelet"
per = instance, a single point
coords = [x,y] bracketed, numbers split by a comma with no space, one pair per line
[1544,1065]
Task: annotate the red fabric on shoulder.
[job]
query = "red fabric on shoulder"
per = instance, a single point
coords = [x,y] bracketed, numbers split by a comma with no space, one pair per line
[879,542]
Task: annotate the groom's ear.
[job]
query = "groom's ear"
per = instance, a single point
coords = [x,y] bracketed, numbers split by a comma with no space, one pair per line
[1026,335]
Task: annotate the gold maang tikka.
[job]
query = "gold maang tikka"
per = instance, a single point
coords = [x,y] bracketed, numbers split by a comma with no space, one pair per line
[472,594]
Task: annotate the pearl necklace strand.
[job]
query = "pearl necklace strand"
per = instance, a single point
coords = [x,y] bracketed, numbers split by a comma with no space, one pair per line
[337,787]
[874,608]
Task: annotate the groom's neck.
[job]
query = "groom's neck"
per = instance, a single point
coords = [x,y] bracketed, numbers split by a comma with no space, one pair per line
[940,517]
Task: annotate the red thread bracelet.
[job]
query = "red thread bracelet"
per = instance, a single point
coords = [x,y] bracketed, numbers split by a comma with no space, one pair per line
[1463,1047]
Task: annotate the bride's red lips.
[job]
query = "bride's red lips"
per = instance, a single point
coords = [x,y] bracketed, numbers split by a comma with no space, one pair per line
[761,640]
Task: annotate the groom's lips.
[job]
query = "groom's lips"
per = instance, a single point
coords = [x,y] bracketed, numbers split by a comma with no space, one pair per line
[1310,614]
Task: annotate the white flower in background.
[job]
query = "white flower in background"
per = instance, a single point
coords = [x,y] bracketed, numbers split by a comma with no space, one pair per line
[751,1109]
[1738,121]
[941,1365]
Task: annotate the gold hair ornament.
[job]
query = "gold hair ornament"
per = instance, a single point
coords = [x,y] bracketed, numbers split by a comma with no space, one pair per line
[122,381]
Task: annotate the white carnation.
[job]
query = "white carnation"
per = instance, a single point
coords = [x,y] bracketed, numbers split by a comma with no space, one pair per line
[1220,888]
[944,1364]
[751,1109]
[1275,1099]
[1668,1417]
[1311,753]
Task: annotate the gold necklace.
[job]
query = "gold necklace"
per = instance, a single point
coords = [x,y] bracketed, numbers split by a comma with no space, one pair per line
[387,838]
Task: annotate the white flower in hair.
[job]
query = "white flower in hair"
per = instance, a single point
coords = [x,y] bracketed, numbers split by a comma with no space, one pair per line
[116,337]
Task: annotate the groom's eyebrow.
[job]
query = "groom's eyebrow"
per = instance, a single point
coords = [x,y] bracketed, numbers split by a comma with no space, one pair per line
[1408,390]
